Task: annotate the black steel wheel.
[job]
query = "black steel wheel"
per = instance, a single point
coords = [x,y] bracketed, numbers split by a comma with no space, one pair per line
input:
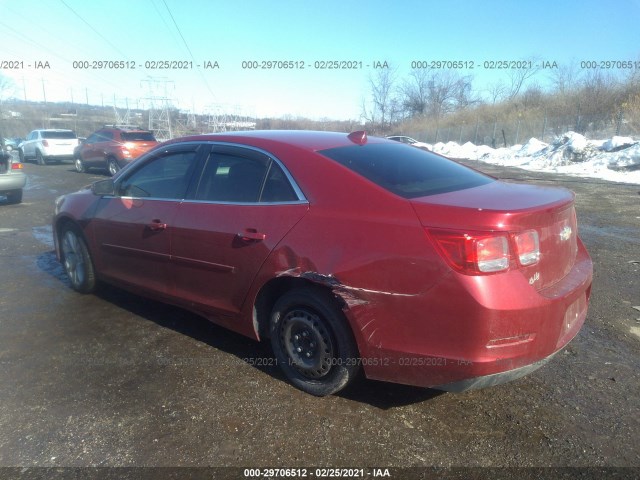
[313,342]
[76,259]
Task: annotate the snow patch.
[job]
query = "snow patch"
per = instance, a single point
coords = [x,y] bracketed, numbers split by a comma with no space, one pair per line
[616,159]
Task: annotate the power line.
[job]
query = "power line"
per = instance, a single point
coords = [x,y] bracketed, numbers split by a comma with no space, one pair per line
[94,30]
[204,79]
[178,29]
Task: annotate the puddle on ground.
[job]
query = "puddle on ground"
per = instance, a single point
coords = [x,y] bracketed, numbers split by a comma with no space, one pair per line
[43,234]
[48,263]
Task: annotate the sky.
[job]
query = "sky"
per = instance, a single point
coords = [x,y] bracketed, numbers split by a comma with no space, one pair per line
[46,46]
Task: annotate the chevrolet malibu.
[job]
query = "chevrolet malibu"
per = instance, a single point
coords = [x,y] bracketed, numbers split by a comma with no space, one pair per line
[348,253]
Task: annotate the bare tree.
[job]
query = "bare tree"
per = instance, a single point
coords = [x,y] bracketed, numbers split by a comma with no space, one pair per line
[7,87]
[518,76]
[384,105]
[565,78]
[464,94]
[415,92]
[497,91]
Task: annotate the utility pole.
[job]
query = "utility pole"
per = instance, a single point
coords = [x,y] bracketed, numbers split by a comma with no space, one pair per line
[159,103]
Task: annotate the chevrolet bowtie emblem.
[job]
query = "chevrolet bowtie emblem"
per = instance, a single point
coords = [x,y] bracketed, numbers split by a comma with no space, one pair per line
[565,234]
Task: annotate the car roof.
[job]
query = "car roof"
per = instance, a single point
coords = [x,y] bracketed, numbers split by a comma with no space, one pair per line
[53,130]
[123,128]
[305,139]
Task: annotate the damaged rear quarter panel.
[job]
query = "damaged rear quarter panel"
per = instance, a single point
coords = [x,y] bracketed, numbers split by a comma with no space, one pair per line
[380,265]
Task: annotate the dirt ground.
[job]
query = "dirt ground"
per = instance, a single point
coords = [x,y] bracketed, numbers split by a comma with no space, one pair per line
[115,380]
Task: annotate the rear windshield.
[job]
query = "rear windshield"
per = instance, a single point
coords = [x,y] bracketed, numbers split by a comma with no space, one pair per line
[138,137]
[59,135]
[406,171]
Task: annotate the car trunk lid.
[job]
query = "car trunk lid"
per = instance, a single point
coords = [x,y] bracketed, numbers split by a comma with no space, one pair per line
[513,208]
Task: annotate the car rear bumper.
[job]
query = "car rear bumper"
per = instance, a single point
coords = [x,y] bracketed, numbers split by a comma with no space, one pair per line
[11,182]
[494,378]
[472,332]
[59,156]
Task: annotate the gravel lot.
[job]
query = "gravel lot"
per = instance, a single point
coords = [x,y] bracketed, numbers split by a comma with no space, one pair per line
[115,380]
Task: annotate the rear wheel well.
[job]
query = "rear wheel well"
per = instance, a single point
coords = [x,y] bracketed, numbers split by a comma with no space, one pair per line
[272,291]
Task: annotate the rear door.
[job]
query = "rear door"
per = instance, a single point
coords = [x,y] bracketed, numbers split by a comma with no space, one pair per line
[244,205]
[133,228]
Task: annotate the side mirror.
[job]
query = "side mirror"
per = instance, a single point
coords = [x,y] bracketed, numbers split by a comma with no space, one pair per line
[103,187]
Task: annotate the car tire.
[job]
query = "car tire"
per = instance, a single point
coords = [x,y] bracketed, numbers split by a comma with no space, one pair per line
[40,160]
[112,166]
[312,341]
[79,165]
[14,197]
[76,259]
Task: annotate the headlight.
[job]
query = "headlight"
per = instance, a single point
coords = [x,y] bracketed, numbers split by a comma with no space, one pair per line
[59,202]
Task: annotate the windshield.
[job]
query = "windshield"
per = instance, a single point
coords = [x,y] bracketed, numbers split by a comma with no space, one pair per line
[406,171]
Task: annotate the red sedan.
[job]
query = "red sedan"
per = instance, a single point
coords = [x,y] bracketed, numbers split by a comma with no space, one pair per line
[349,253]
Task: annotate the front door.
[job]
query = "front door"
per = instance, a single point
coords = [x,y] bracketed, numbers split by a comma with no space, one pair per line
[133,228]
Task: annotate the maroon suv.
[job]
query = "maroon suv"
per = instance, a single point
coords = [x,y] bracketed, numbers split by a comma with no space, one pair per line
[112,147]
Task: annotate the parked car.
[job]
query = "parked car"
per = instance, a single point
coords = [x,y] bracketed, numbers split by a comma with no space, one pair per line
[349,252]
[112,147]
[12,177]
[48,145]
[12,143]
[411,141]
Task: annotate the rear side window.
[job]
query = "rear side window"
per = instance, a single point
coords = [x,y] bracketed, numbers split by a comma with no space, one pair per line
[231,177]
[406,171]
[59,135]
[137,137]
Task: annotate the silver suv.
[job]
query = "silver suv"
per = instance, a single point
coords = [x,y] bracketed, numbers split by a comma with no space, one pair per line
[12,177]
[47,145]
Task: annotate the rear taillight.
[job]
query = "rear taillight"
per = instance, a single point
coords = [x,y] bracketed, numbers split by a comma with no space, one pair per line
[45,143]
[473,253]
[477,253]
[528,247]
[16,166]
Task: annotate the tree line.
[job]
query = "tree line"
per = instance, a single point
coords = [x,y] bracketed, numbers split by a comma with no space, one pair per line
[427,98]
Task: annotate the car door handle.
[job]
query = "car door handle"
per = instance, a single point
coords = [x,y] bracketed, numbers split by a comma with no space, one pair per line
[156,225]
[251,235]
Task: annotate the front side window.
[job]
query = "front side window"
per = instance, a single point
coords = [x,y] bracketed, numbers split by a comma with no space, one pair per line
[165,177]
[105,136]
[93,138]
